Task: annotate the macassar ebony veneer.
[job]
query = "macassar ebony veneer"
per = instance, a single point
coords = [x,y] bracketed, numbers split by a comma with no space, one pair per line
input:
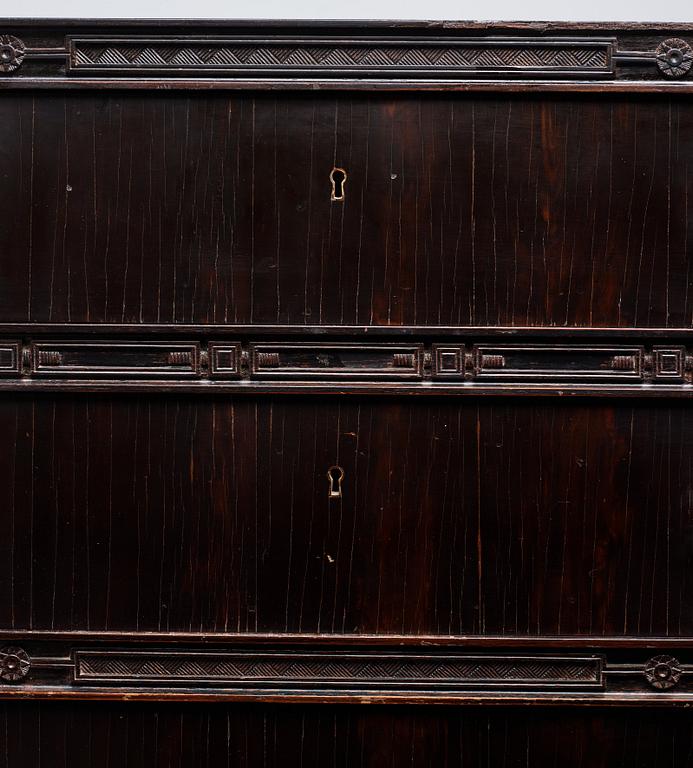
[346,363]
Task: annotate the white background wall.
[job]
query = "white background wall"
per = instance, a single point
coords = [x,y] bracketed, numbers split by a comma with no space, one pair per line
[521,10]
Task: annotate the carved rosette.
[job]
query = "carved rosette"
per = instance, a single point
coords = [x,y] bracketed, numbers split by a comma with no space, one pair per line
[663,672]
[12,51]
[674,57]
[14,664]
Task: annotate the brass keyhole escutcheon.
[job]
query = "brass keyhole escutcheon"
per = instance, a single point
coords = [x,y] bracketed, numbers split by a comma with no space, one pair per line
[335,475]
[338,180]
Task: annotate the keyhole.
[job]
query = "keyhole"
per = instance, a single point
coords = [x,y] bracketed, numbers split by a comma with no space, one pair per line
[335,475]
[338,179]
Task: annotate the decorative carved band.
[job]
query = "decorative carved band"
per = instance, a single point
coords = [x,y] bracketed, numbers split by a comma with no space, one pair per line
[318,360]
[336,669]
[320,56]
[546,363]
[337,56]
[351,669]
[109,359]
[567,362]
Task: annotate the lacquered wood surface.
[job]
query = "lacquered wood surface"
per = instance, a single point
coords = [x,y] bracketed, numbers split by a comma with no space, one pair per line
[524,518]
[213,208]
[178,736]
[233,531]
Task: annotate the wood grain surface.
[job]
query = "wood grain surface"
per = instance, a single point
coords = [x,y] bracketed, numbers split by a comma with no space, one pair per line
[43,735]
[345,374]
[167,513]
[213,208]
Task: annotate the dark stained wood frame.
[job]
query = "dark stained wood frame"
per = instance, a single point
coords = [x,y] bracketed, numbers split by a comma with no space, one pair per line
[43,56]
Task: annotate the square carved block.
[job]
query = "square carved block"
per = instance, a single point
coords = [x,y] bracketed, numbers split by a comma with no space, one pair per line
[448,361]
[669,362]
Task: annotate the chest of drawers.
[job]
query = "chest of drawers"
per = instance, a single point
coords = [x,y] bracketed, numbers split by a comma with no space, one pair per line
[346,366]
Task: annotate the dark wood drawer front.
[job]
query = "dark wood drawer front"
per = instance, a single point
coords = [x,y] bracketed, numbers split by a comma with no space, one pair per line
[452,516]
[550,363]
[348,361]
[115,359]
[88,734]
[279,250]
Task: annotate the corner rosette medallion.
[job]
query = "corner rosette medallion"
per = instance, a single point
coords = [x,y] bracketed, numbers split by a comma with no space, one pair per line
[14,664]
[12,51]
[663,672]
[674,57]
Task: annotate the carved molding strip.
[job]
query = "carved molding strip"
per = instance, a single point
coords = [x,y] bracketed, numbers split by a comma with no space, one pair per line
[148,359]
[284,56]
[324,56]
[575,363]
[205,362]
[337,360]
[336,669]
[351,671]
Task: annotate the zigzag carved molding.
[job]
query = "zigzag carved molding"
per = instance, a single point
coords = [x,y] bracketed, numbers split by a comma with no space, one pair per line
[341,669]
[325,55]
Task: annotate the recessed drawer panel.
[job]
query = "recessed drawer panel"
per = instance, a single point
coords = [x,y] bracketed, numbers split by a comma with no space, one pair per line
[558,363]
[121,359]
[336,361]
